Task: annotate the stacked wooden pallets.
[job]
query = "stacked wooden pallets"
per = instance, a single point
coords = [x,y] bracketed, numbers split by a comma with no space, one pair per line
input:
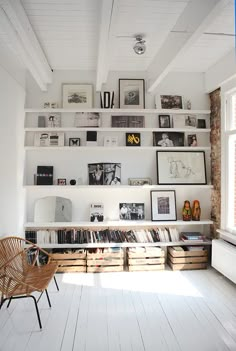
[105,260]
[70,261]
[180,258]
[145,259]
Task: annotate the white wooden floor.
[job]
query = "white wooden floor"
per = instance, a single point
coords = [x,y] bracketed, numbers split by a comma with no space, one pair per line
[151,311]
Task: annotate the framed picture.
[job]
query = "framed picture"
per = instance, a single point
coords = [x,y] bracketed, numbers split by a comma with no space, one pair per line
[181,167]
[190,121]
[192,140]
[74,141]
[163,205]
[133,139]
[49,139]
[54,120]
[127,121]
[139,181]
[201,123]
[104,173]
[184,121]
[87,119]
[168,139]
[96,212]
[171,102]
[131,93]
[61,181]
[77,95]
[131,212]
[164,121]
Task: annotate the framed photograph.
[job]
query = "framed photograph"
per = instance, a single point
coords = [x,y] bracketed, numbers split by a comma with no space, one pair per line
[131,212]
[168,139]
[49,139]
[139,181]
[171,102]
[190,121]
[136,122]
[133,139]
[77,96]
[104,173]
[163,205]
[61,181]
[181,167]
[192,140]
[131,93]
[201,123]
[87,119]
[74,141]
[164,121]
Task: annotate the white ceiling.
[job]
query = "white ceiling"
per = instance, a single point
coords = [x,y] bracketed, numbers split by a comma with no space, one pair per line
[74,34]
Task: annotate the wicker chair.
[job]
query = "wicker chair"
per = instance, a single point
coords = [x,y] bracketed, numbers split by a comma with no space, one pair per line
[20,272]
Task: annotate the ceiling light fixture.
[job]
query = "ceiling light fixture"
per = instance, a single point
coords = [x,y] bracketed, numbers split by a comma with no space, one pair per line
[139,47]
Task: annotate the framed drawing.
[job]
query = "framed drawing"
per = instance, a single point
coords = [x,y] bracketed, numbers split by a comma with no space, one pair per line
[131,93]
[168,139]
[77,95]
[181,167]
[163,205]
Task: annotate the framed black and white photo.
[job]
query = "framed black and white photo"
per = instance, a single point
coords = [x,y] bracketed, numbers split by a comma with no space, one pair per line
[139,181]
[190,121]
[127,121]
[104,173]
[131,211]
[171,102]
[192,140]
[77,96]
[96,212]
[133,139]
[131,93]
[181,167]
[136,122]
[163,205]
[87,119]
[168,139]
[74,142]
[164,121]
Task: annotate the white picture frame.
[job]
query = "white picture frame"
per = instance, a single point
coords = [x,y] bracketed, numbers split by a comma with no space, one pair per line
[163,205]
[77,96]
[132,93]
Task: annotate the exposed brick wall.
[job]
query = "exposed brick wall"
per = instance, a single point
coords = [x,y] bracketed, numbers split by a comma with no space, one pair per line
[215,139]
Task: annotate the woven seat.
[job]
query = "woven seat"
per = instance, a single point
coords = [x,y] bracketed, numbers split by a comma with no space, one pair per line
[20,274]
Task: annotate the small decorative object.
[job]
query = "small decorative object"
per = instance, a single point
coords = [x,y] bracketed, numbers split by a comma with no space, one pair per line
[104,173]
[77,95]
[49,139]
[188,105]
[139,181]
[131,93]
[107,99]
[201,123]
[72,182]
[131,211]
[133,139]
[186,211]
[54,120]
[163,205]
[196,210]
[46,105]
[164,121]
[44,175]
[168,139]
[74,141]
[91,138]
[53,209]
[54,105]
[87,119]
[192,140]
[61,181]
[127,121]
[190,121]
[41,122]
[171,102]
[181,167]
[96,212]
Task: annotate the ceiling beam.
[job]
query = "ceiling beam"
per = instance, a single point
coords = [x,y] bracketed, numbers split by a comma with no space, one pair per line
[20,32]
[103,51]
[192,23]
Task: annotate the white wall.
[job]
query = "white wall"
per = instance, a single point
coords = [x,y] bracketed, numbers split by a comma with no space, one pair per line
[11,155]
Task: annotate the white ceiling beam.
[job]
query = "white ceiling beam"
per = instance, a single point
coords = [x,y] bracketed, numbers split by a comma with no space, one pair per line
[28,44]
[194,20]
[104,32]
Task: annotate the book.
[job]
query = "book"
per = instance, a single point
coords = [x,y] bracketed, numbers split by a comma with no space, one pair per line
[96,212]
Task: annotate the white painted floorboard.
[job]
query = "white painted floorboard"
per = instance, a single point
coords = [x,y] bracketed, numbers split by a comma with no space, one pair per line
[128,311]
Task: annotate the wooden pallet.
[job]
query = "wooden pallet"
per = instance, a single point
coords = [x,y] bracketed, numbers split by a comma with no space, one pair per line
[181,260]
[70,262]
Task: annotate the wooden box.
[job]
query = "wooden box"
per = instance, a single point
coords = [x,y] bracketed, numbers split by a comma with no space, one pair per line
[194,259]
[98,262]
[148,260]
[70,262]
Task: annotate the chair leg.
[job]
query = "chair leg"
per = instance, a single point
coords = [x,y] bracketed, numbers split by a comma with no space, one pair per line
[37,310]
[56,283]
[9,302]
[49,302]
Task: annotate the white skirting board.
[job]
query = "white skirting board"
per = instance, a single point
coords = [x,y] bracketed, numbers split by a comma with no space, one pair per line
[224,258]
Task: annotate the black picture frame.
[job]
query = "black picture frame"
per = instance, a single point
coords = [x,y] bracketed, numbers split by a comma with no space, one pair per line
[164,121]
[131,93]
[133,139]
[163,205]
[168,139]
[74,142]
[201,123]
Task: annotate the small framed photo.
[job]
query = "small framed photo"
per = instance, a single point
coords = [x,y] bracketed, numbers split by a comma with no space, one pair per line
[131,93]
[168,139]
[61,181]
[190,121]
[131,211]
[181,167]
[192,140]
[163,205]
[201,123]
[77,96]
[54,120]
[133,139]
[74,141]
[164,121]
[171,102]
[139,181]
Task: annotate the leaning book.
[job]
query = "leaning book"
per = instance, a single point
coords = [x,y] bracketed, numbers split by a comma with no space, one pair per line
[96,212]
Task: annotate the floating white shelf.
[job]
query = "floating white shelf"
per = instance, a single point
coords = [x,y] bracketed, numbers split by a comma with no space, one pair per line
[113,224]
[118,110]
[111,129]
[127,148]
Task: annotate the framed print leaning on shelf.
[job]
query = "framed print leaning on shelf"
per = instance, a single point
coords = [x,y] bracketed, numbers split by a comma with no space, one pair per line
[163,205]
[171,102]
[77,95]
[168,139]
[139,181]
[164,121]
[181,167]
[131,93]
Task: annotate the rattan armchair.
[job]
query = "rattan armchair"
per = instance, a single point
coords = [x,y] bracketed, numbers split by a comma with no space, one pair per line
[21,274]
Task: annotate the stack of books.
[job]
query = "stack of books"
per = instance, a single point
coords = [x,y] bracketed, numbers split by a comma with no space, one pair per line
[192,237]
